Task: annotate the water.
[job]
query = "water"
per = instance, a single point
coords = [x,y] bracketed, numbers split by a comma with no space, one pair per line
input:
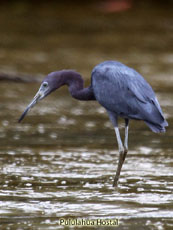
[60,162]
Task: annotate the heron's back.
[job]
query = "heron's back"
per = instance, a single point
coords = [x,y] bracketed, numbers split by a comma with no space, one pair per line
[125,92]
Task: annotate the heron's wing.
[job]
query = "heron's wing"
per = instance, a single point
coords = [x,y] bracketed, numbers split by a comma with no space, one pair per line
[140,88]
[150,109]
[125,92]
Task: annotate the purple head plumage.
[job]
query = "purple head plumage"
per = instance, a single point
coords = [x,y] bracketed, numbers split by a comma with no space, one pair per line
[51,82]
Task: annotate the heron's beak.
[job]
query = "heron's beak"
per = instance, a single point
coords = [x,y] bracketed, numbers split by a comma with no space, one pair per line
[42,92]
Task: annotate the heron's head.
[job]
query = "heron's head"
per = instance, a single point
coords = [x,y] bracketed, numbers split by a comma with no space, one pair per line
[51,82]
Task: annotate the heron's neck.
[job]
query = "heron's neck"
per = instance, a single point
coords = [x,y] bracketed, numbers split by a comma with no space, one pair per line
[76,87]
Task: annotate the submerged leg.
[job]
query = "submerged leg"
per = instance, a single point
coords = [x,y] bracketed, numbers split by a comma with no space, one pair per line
[126,138]
[121,157]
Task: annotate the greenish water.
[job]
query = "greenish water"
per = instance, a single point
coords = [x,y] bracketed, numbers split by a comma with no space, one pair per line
[60,162]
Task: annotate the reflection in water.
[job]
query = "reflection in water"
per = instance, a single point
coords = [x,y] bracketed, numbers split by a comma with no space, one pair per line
[61,161]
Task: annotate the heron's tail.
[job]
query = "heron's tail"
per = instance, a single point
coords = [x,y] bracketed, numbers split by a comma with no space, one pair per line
[157,128]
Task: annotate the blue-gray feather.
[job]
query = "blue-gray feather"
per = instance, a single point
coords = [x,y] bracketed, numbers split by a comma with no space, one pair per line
[127,94]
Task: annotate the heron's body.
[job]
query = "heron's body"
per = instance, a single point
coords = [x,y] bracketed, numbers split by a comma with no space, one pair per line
[119,89]
[126,94]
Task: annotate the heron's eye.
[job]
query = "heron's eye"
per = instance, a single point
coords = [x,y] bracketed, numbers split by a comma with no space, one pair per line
[45,84]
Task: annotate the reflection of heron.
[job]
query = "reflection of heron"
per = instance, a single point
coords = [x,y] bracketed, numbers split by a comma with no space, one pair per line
[119,89]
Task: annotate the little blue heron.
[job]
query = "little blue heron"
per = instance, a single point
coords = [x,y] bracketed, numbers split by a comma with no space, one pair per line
[119,89]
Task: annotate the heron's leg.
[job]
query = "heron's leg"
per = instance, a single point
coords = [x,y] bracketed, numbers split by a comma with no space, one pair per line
[121,157]
[114,120]
[126,138]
